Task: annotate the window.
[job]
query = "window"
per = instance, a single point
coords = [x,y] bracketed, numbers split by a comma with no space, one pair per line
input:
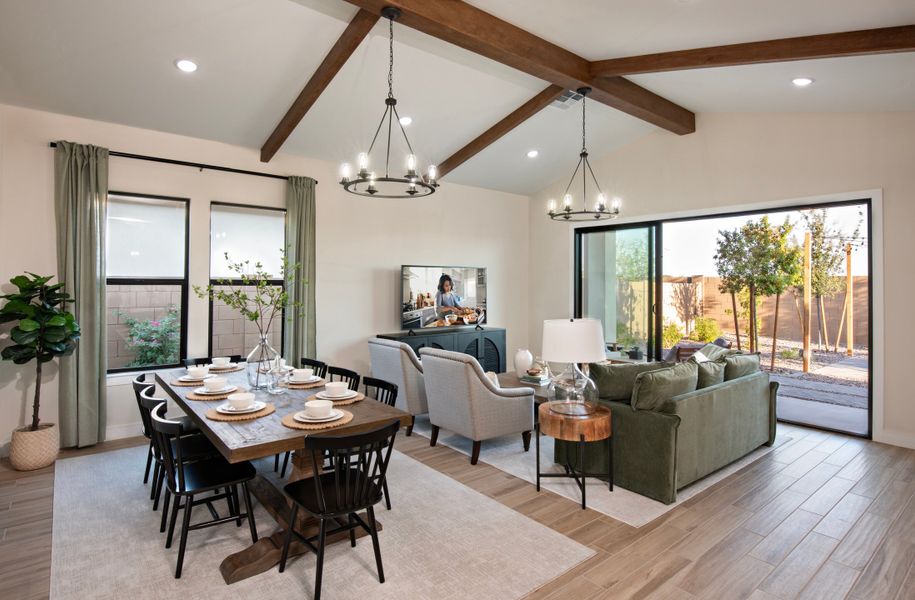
[146,276]
[244,233]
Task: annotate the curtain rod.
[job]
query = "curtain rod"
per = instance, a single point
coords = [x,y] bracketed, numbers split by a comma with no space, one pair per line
[184,163]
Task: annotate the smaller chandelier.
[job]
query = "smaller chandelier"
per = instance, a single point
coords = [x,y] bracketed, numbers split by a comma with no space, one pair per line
[365,182]
[601,210]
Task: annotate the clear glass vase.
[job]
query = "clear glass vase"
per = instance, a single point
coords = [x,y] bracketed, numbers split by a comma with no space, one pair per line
[572,392]
[261,362]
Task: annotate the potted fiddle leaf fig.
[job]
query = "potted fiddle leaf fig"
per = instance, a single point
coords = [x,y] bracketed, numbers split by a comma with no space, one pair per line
[44,330]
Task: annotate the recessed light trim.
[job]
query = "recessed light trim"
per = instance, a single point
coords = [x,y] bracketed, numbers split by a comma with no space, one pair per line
[802,81]
[533,153]
[185,65]
[405,121]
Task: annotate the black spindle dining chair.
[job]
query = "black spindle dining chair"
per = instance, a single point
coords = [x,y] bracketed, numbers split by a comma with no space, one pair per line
[340,374]
[381,390]
[320,368]
[354,483]
[185,480]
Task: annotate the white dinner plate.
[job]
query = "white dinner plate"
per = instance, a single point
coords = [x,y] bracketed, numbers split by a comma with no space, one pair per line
[311,379]
[189,378]
[346,396]
[228,366]
[226,390]
[301,417]
[227,409]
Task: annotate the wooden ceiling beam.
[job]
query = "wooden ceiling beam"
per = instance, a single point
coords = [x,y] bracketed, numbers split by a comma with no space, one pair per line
[352,36]
[830,45]
[518,116]
[482,33]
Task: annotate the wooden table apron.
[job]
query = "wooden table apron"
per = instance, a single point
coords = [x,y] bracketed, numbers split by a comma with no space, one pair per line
[265,437]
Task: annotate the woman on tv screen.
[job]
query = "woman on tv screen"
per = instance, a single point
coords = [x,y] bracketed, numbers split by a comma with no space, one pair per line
[446,300]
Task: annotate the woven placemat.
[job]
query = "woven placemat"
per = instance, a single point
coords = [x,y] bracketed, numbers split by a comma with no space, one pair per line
[304,386]
[357,398]
[291,423]
[218,416]
[193,396]
[234,369]
[179,383]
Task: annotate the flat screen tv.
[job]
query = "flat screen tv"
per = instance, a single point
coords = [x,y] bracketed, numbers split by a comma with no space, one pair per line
[442,296]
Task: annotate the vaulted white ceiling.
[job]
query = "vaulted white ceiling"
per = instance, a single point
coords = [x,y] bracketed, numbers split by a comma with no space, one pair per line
[113,60]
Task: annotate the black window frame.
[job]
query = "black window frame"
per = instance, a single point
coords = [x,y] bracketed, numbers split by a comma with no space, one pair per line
[184,282]
[222,281]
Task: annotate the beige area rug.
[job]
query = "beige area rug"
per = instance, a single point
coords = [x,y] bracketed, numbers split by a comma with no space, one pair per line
[441,540]
[507,454]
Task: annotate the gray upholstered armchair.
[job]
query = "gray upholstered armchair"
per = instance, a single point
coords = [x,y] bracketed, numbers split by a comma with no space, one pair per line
[463,400]
[396,362]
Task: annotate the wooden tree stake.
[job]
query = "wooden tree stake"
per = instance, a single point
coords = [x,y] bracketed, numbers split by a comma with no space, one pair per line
[807,298]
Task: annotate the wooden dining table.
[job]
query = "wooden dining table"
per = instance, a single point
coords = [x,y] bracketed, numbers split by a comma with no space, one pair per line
[264,437]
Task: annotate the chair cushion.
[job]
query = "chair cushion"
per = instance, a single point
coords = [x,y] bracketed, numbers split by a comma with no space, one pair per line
[304,493]
[652,388]
[615,381]
[740,365]
[711,372]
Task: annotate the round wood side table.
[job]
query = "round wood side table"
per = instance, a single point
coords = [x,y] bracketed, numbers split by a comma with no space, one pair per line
[582,429]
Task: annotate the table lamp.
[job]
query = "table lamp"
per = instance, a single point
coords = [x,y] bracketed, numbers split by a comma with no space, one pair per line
[573,341]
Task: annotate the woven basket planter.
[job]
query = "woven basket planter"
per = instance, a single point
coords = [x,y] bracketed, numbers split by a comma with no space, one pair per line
[30,450]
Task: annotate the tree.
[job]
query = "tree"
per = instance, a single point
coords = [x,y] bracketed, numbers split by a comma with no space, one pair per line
[729,254]
[827,255]
[45,329]
[686,301]
[631,267]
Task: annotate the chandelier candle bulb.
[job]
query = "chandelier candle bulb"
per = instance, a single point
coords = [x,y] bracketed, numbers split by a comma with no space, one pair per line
[552,206]
[345,172]
[617,204]
[433,173]
[567,201]
[411,165]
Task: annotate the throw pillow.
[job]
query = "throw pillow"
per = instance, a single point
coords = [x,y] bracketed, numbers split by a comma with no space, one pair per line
[740,365]
[714,351]
[711,372]
[615,381]
[653,388]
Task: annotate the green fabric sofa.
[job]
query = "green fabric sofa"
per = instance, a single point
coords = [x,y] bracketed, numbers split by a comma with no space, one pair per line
[683,438]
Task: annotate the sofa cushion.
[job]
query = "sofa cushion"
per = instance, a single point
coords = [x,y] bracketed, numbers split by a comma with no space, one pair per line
[711,372]
[714,352]
[615,381]
[740,365]
[652,388]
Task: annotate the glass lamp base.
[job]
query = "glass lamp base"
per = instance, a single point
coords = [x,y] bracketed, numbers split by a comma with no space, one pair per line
[572,393]
[576,409]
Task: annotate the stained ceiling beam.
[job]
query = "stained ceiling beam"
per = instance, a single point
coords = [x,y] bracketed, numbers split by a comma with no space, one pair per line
[831,45]
[355,32]
[482,33]
[517,116]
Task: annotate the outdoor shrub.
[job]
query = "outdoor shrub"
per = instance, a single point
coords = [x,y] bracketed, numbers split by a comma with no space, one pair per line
[706,329]
[788,354]
[155,341]
[671,335]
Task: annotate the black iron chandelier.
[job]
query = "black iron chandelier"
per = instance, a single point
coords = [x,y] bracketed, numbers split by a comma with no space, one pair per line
[601,210]
[365,182]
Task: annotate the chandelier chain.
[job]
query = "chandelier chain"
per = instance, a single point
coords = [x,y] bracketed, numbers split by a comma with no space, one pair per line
[583,146]
[390,58]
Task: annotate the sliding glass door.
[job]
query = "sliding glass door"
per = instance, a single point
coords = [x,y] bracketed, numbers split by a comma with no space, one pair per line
[617,284]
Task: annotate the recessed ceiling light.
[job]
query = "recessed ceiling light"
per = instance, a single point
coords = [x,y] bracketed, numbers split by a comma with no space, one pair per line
[406,121]
[802,81]
[532,153]
[188,66]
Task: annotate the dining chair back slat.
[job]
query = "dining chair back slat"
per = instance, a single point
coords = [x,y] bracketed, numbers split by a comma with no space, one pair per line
[340,374]
[319,367]
[381,390]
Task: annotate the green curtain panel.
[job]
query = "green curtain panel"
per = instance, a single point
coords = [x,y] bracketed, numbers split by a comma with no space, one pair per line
[300,239]
[81,204]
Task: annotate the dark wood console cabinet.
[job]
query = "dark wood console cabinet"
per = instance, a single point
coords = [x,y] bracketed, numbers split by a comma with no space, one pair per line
[486,344]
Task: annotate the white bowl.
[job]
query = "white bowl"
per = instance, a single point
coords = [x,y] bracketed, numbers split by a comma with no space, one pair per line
[241,400]
[336,389]
[318,409]
[221,361]
[215,384]
[302,374]
[198,372]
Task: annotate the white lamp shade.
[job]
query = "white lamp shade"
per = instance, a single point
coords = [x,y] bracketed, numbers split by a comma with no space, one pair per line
[573,341]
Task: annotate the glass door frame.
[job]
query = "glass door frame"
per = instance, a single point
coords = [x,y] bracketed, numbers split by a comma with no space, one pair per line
[656,260]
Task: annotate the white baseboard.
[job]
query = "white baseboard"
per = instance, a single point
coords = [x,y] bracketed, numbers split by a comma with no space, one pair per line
[118,432]
[906,440]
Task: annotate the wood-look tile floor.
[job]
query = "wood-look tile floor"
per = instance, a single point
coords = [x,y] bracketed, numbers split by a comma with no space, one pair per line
[823,516]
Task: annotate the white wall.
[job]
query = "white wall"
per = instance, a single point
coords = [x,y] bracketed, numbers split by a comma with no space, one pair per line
[361,242]
[756,160]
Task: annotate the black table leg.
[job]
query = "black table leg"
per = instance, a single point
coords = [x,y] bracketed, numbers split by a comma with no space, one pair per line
[581,466]
[610,462]
[537,449]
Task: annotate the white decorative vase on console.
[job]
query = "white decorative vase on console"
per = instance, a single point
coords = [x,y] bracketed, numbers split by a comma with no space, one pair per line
[523,361]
